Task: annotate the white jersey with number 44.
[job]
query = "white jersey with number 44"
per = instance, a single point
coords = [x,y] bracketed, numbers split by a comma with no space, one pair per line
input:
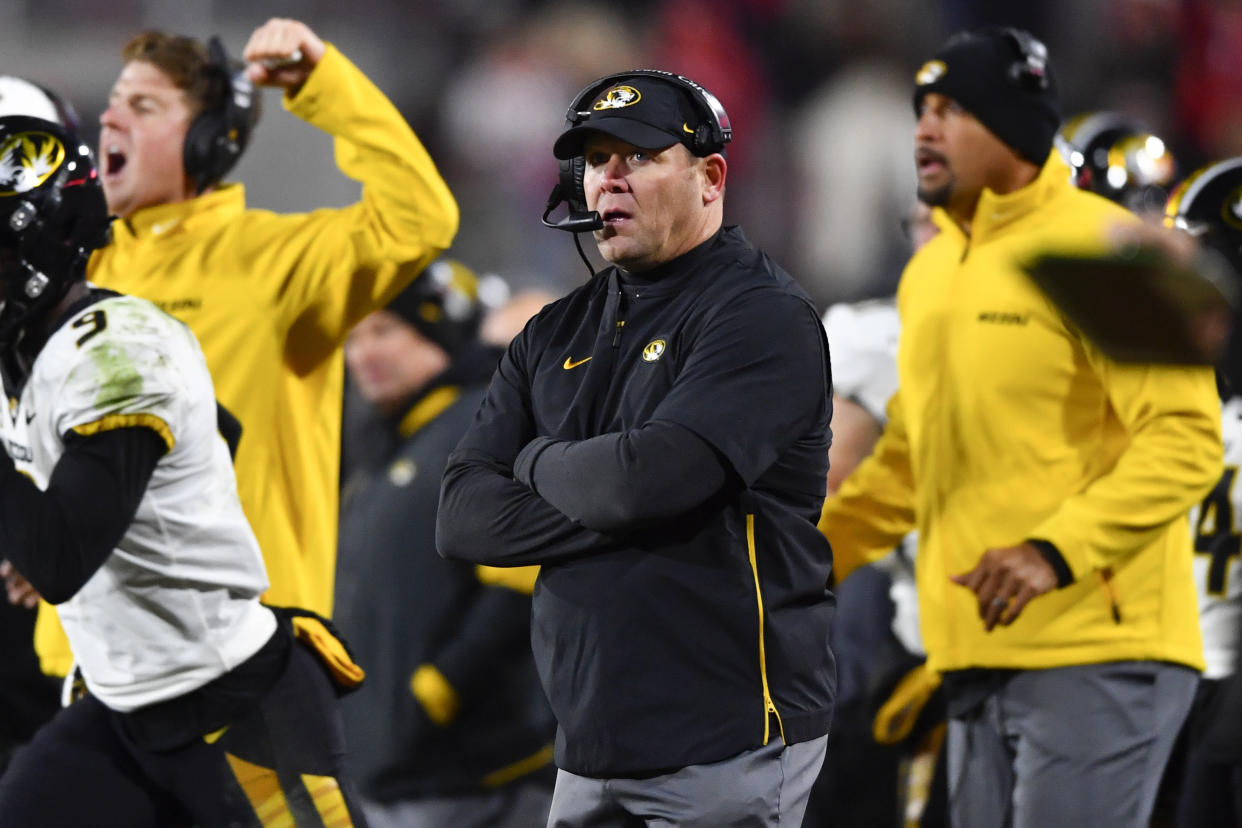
[1217,527]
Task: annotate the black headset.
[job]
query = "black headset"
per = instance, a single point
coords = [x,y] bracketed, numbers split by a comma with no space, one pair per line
[710,136]
[218,135]
[1030,72]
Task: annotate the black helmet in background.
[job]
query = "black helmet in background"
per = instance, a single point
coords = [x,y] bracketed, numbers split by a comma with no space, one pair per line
[1116,156]
[1208,205]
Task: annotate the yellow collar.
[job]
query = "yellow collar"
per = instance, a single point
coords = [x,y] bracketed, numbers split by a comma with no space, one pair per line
[427,409]
[995,213]
[164,220]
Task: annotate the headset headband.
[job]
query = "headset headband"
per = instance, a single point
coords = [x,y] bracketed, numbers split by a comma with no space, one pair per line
[1032,69]
[720,129]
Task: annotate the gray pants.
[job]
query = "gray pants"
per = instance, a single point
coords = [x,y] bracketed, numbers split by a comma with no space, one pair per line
[1070,746]
[767,786]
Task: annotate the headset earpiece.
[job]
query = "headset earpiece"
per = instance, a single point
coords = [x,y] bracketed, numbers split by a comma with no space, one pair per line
[569,189]
[703,144]
[1031,70]
[218,135]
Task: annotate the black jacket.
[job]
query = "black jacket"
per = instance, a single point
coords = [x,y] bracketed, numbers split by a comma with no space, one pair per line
[401,606]
[660,444]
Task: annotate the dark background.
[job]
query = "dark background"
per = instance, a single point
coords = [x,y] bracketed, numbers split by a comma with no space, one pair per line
[820,172]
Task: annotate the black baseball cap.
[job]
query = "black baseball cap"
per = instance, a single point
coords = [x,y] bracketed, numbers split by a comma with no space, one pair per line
[647,112]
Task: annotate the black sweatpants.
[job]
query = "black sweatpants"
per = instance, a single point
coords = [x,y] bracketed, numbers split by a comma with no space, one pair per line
[281,756]
[1211,789]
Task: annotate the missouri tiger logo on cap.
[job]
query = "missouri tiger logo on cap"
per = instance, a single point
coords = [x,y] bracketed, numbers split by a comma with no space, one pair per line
[618,97]
[28,159]
[930,72]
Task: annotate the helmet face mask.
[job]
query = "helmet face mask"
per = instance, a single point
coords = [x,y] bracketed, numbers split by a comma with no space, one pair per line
[52,216]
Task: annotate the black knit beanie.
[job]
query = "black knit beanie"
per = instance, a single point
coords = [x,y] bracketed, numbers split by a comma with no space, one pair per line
[442,303]
[1002,77]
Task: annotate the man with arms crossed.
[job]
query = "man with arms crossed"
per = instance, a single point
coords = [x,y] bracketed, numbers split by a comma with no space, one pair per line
[658,440]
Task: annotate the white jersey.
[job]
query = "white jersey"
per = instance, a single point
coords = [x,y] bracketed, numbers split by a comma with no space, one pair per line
[176,604]
[1217,528]
[862,341]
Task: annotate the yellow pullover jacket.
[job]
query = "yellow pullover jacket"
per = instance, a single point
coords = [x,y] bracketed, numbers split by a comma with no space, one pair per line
[1009,425]
[271,298]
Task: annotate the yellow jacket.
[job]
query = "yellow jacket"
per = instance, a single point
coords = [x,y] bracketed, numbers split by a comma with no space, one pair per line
[1009,425]
[272,296]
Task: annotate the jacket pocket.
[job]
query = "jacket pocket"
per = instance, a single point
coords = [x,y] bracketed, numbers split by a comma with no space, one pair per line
[1110,591]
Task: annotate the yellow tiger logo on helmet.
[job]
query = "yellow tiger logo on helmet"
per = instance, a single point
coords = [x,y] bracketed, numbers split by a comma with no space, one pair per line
[27,160]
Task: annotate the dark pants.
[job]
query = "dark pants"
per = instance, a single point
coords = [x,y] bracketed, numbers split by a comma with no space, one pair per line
[280,757]
[858,782]
[27,696]
[1211,789]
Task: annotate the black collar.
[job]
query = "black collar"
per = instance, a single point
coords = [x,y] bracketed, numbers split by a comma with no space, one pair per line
[673,275]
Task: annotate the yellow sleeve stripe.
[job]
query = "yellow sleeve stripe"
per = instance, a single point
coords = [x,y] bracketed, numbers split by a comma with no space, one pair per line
[435,694]
[115,421]
[517,578]
[518,769]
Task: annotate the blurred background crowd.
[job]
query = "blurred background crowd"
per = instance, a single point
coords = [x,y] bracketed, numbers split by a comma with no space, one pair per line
[818,90]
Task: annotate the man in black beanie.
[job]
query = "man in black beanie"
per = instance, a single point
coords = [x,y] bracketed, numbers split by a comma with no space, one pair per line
[1001,81]
[1049,485]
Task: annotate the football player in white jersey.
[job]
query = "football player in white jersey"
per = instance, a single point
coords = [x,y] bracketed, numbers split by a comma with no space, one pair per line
[196,704]
[1208,205]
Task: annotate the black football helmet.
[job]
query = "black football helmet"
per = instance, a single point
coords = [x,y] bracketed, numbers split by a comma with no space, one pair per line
[52,208]
[1208,205]
[1116,156]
